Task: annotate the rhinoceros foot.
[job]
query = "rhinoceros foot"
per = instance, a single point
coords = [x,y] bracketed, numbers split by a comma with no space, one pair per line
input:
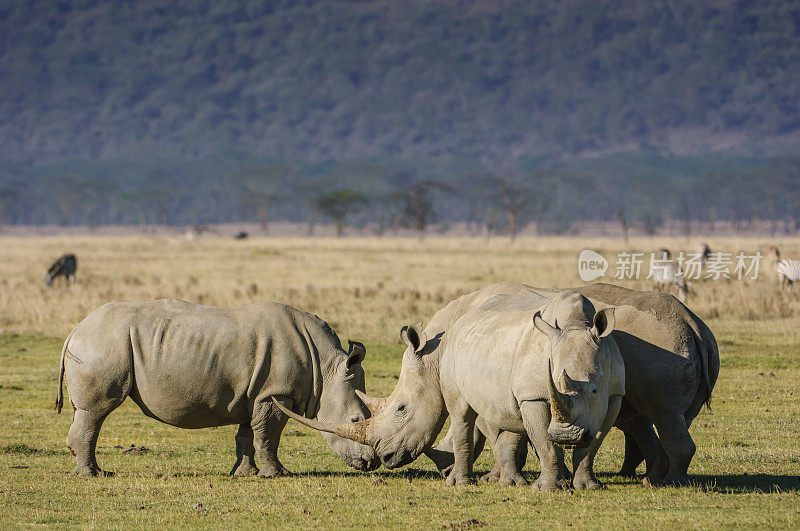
[493,476]
[512,480]
[91,472]
[587,483]
[459,480]
[550,483]
[245,470]
[273,472]
[504,478]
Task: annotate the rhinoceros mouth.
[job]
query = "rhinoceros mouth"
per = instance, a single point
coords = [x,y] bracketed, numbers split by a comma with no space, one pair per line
[396,459]
[570,443]
[365,465]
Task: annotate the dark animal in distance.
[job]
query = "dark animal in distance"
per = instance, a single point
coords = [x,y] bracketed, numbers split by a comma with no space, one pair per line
[65,266]
[240,235]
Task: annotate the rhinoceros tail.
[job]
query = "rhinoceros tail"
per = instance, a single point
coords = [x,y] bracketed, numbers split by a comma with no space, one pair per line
[60,397]
[711,362]
[709,355]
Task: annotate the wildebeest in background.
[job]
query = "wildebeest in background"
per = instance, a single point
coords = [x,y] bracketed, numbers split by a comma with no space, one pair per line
[240,235]
[65,266]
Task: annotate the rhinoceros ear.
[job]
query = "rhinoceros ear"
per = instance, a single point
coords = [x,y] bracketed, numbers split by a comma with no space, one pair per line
[544,327]
[355,354]
[414,336]
[603,322]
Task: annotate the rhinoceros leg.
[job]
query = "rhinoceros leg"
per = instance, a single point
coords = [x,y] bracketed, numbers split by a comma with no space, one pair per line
[82,441]
[95,390]
[267,424]
[677,451]
[633,457]
[492,434]
[442,453]
[536,418]
[462,425]
[510,451]
[245,452]
[641,444]
[583,458]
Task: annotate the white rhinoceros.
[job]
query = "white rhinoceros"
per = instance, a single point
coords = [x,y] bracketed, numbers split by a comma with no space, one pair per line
[561,383]
[196,366]
[671,363]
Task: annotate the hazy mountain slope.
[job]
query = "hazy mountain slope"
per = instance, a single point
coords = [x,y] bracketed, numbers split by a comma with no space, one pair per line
[307,81]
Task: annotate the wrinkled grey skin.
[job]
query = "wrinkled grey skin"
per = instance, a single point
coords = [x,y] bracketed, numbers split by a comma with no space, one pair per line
[496,365]
[465,371]
[672,363]
[196,366]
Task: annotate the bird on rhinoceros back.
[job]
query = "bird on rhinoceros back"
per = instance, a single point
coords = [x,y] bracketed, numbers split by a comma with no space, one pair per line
[65,266]
[194,366]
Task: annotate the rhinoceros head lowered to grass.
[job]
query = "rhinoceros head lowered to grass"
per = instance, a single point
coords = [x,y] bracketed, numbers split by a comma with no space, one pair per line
[406,422]
[339,402]
[584,369]
[348,380]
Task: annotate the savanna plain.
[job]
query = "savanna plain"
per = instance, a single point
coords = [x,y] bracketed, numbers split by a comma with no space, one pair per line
[744,474]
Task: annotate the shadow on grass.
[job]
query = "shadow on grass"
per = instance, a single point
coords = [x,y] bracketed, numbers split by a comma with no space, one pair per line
[742,483]
[725,483]
[409,474]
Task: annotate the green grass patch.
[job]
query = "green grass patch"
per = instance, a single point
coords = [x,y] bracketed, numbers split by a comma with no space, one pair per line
[745,472]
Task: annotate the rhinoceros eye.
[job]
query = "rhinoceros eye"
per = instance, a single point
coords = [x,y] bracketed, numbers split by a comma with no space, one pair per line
[401,407]
[355,419]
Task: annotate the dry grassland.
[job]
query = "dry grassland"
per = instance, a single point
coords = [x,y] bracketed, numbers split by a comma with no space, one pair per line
[367,287]
[745,471]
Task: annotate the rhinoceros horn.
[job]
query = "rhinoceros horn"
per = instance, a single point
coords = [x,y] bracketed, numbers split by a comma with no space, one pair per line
[373,404]
[356,431]
[569,385]
[560,403]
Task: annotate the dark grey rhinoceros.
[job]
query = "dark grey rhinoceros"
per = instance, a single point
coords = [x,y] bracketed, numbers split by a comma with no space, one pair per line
[196,366]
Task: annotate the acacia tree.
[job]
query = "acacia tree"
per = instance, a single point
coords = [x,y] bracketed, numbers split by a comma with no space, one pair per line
[339,204]
[516,197]
[418,204]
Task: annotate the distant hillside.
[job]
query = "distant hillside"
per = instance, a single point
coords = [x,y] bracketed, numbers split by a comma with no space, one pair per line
[422,113]
[497,82]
